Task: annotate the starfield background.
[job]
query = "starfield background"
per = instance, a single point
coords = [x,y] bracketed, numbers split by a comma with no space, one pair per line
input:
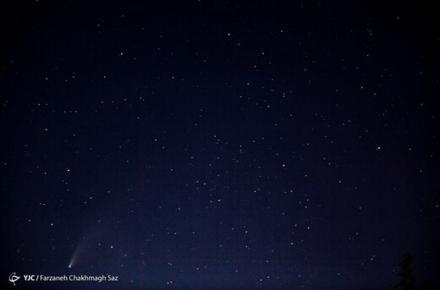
[220,144]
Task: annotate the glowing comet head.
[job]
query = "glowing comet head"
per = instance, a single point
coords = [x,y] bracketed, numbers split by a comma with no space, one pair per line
[69,266]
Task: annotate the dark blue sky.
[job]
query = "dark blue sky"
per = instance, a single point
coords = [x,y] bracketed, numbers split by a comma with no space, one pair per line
[219,144]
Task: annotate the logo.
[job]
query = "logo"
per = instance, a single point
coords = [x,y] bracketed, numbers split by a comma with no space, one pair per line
[13,278]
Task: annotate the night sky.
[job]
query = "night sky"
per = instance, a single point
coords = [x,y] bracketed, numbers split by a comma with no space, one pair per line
[219,144]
